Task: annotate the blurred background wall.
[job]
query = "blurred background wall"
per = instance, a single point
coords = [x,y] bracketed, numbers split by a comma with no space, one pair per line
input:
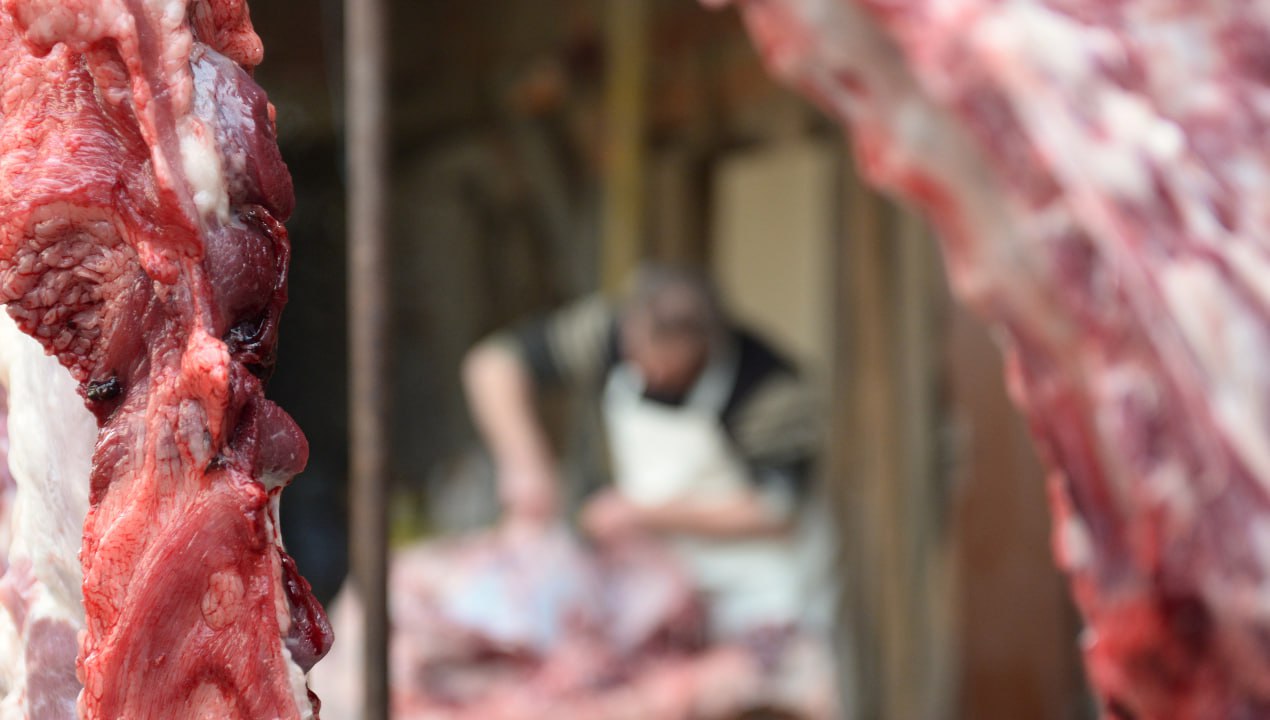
[539,148]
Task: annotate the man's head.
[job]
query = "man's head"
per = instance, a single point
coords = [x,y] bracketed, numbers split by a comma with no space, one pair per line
[671,322]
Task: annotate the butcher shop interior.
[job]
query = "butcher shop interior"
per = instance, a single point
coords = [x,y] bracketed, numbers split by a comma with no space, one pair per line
[657,360]
[516,188]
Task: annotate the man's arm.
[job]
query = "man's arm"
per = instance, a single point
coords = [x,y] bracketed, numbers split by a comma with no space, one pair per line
[742,516]
[501,396]
[501,377]
[745,515]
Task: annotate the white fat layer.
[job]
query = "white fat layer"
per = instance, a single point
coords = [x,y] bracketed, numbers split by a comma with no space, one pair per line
[1132,121]
[1052,41]
[272,480]
[51,438]
[1060,59]
[1230,348]
[299,686]
[12,669]
[295,675]
[273,519]
[1078,548]
[173,13]
[1252,266]
[202,165]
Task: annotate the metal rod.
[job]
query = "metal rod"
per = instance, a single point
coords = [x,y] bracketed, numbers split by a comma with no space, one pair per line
[366,74]
[626,39]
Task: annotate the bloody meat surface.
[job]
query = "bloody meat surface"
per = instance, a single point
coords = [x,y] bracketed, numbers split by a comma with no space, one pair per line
[1098,176]
[142,198]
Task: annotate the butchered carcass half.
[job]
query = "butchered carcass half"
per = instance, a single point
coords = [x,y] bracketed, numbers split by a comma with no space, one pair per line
[1098,175]
[142,197]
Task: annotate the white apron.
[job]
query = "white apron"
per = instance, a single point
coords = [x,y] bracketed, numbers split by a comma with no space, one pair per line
[662,454]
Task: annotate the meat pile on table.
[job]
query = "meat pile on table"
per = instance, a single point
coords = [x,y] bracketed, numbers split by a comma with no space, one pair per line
[505,626]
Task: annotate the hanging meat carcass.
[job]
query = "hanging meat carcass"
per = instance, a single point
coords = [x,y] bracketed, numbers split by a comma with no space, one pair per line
[142,197]
[1098,175]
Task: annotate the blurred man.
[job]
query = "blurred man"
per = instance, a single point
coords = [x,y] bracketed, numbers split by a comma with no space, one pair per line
[711,434]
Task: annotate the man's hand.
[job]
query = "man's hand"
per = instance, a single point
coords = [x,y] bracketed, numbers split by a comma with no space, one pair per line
[528,493]
[610,516]
[500,394]
[745,515]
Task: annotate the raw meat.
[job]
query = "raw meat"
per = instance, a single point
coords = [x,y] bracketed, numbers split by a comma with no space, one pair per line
[1098,174]
[51,437]
[474,615]
[7,487]
[497,626]
[142,197]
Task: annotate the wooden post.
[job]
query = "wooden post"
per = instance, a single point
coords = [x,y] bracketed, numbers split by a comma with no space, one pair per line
[626,42]
[898,593]
[366,75]
[859,383]
[927,559]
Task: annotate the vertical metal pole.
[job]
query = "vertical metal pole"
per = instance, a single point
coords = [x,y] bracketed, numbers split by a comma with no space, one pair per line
[626,41]
[366,75]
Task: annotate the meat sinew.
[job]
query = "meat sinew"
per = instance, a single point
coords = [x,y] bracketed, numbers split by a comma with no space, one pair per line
[142,197]
[1098,174]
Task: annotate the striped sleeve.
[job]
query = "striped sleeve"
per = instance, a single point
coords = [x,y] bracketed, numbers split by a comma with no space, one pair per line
[778,431]
[572,346]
